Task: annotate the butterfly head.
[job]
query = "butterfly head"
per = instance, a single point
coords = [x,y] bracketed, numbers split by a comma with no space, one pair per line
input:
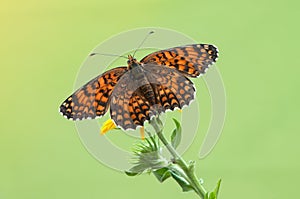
[132,62]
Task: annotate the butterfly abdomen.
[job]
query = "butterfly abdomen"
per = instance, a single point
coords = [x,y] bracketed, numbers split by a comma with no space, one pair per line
[148,92]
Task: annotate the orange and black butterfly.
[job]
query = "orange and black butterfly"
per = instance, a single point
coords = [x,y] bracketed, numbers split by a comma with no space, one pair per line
[134,93]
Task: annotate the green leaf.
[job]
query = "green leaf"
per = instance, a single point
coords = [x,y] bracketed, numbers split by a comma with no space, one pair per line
[217,187]
[162,174]
[159,122]
[176,135]
[137,169]
[206,196]
[152,141]
[182,182]
[147,157]
[130,173]
[214,194]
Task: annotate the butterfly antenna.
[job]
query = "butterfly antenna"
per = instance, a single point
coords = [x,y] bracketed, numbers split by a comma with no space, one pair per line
[111,55]
[149,33]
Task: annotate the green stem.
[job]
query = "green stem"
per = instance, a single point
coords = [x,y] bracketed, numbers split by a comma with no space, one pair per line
[187,169]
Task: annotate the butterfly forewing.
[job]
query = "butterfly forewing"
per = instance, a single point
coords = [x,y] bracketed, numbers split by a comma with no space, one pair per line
[191,60]
[92,99]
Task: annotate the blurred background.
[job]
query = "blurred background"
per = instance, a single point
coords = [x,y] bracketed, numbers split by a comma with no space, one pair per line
[43,44]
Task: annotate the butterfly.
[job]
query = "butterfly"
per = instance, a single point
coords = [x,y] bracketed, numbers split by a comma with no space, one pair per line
[142,89]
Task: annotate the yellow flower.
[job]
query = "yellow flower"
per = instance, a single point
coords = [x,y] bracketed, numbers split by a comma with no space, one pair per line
[142,132]
[107,126]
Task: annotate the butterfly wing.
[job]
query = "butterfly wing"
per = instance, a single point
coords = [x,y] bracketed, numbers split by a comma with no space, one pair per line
[135,111]
[93,98]
[123,106]
[191,60]
[173,90]
[129,106]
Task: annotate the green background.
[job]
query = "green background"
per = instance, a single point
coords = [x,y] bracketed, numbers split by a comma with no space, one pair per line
[43,44]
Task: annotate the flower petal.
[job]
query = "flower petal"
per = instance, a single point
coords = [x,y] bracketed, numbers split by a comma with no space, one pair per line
[107,126]
[142,132]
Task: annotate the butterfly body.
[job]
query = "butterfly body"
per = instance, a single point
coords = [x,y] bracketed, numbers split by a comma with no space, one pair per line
[132,62]
[157,83]
[141,79]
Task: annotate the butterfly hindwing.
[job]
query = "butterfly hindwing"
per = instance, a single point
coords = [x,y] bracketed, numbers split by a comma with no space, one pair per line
[92,99]
[131,103]
[172,88]
[191,60]
[139,109]
[127,98]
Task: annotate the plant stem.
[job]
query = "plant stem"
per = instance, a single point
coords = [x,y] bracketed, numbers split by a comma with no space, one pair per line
[187,169]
